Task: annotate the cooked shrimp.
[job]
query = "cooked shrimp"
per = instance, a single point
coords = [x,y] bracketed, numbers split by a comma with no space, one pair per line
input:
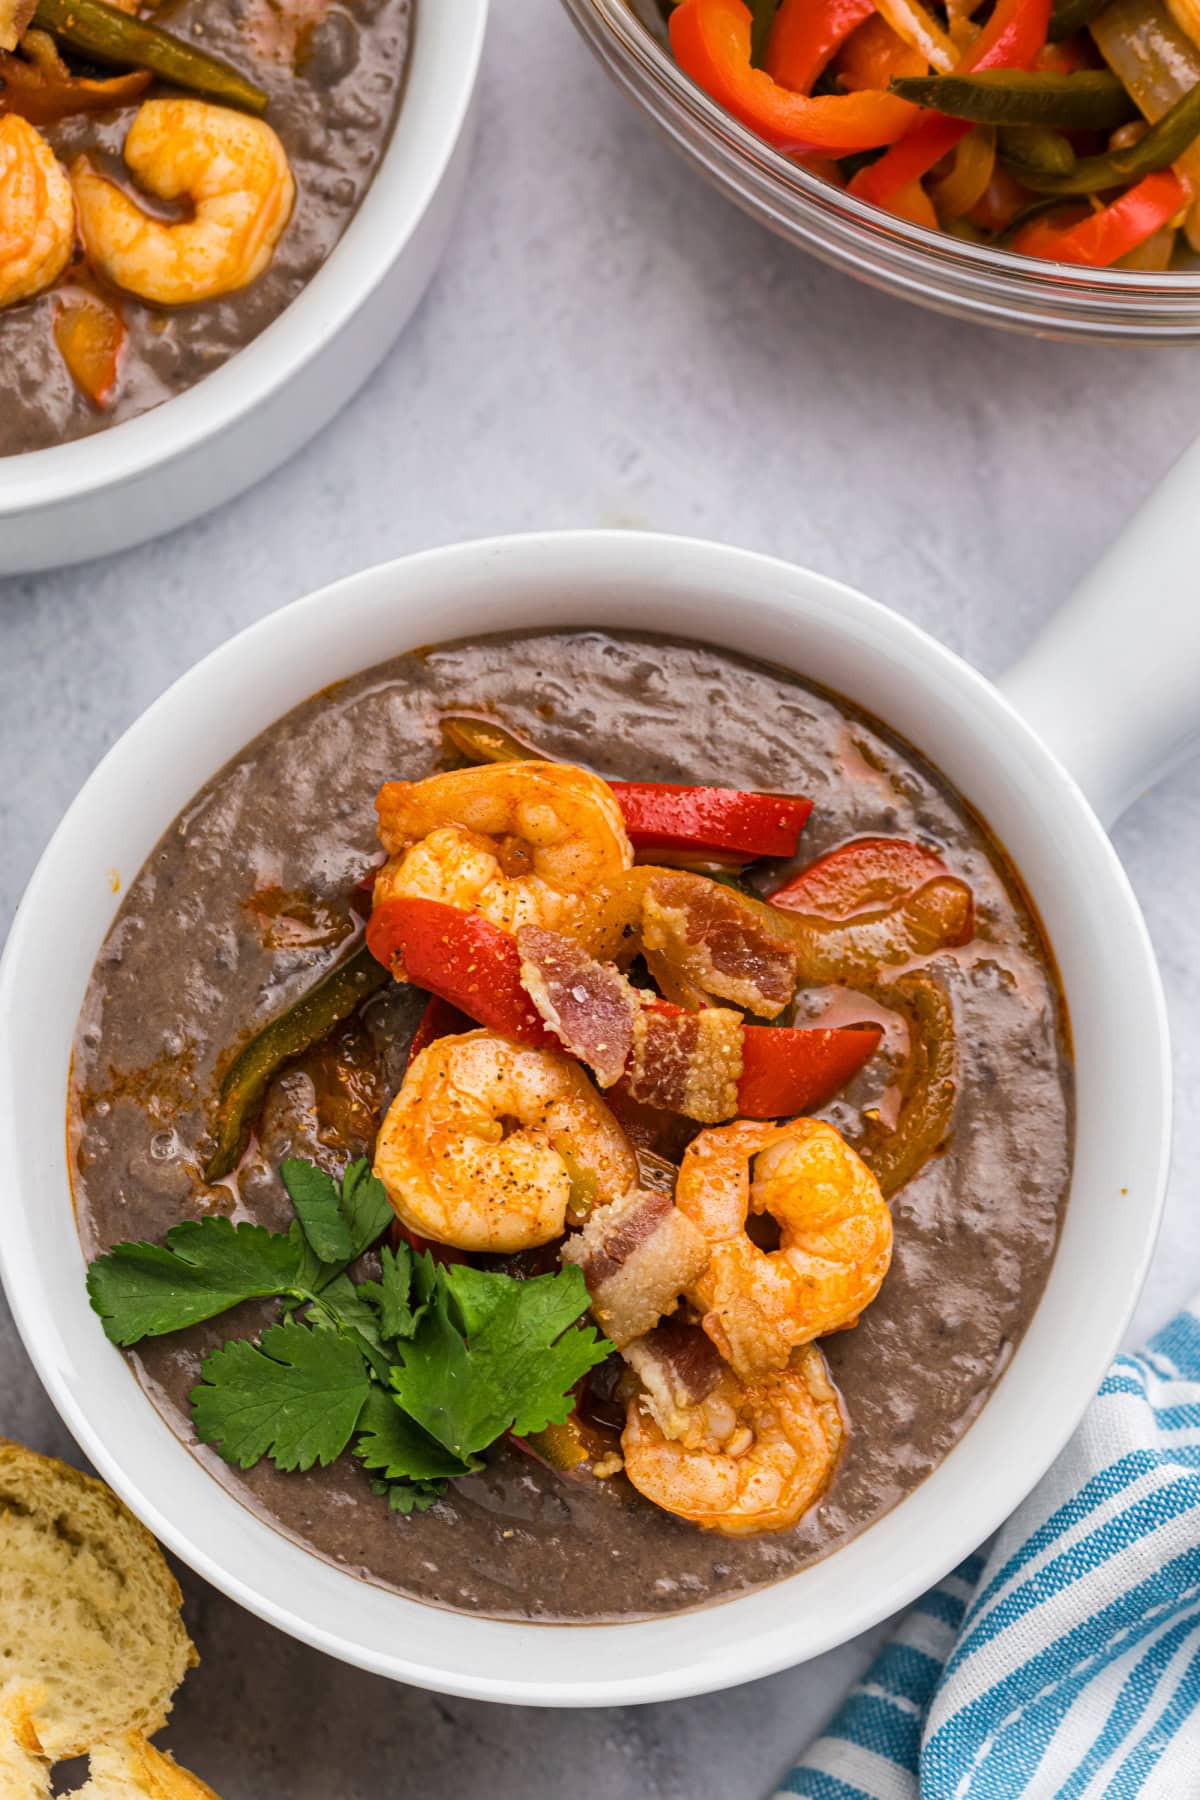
[529,843]
[752,1456]
[835,1237]
[234,171]
[488,1142]
[37,213]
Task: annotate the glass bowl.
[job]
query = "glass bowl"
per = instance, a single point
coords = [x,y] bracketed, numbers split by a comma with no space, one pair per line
[970,281]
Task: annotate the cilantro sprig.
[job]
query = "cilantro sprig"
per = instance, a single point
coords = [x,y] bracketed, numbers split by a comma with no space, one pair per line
[417,1371]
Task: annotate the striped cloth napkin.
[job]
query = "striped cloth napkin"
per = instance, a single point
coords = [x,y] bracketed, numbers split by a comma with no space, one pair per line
[1063,1664]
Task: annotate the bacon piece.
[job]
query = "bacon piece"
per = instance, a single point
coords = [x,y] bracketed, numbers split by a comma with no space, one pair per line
[587,1004]
[699,935]
[637,1256]
[688,1063]
[678,1368]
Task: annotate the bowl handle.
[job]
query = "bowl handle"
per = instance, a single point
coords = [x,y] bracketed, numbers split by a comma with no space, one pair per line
[1113,682]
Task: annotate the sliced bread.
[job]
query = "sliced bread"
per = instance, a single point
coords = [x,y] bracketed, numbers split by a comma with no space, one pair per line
[24,1771]
[132,1769]
[89,1610]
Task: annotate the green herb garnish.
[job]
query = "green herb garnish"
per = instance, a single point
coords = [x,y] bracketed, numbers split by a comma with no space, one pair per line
[417,1372]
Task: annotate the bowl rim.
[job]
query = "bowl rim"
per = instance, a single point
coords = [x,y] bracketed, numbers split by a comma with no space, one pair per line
[684,1653]
[433,108]
[867,240]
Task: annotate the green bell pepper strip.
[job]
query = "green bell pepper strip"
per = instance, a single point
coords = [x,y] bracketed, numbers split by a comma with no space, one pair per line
[104,34]
[1070,16]
[1036,149]
[306,1023]
[1092,100]
[1162,145]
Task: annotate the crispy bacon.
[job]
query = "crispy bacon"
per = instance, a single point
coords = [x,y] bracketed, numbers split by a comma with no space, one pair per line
[699,935]
[688,1063]
[678,1368]
[587,1004]
[637,1256]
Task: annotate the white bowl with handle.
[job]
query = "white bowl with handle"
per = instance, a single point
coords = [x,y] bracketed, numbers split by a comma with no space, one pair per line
[150,474]
[1101,704]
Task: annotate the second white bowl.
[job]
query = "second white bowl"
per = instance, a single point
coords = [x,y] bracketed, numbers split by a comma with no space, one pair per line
[155,472]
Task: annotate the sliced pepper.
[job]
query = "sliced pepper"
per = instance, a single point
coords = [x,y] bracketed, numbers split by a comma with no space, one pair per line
[662,818]
[1011,39]
[1036,150]
[462,958]
[719,824]
[860,875]
[465,959]
[1145,48]
[312,1018]
[1161,146]
[439,1020]
[1070,16]
[1092,100]
[930,1085]
[786,1071]
[711,43]
[1104,237]
[105,34]
[486,740]
[566,1448]
[806,34]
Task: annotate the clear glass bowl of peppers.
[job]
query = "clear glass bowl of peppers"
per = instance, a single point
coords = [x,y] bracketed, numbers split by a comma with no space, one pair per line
[1033,164]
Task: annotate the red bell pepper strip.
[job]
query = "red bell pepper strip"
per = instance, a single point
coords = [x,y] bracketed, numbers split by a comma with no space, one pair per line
[1105,236]
[856,877]
[465,959]
[785,1072]
[462,958]
[1011,39]
[721,824]
[439,1020]
[804,36]
[711,42]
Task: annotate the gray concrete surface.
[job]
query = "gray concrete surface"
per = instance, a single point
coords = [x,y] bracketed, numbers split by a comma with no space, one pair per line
[609,343]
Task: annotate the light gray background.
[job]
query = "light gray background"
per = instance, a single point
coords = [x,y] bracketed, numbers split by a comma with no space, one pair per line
[609,343]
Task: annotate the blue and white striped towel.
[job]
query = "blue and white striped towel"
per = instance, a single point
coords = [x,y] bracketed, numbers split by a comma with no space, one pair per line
[1065,1663]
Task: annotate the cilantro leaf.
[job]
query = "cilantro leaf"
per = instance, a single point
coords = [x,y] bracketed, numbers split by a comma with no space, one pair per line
[365,1207]
[476,1294]
[394,1446]
[206,1266]
[518,1368]
[409,1496]
[539,1355]
[315,1196]
[344,1307]
[296,1397]
[392,1294]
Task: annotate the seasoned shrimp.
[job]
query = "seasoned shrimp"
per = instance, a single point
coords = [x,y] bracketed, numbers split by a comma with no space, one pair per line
[488,1142]
[749,1457]
[835,1237]
[233,170]
[530,843]
[37,213]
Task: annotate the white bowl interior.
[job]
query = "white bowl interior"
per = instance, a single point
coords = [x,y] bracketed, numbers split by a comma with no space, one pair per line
[682,588]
